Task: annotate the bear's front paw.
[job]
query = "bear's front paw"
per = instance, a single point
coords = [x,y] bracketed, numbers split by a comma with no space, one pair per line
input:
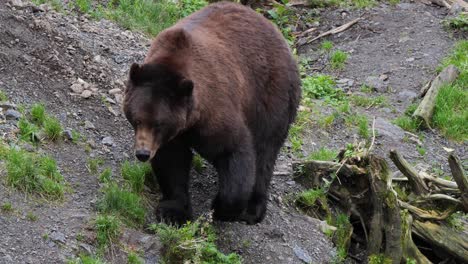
[256,210]
[228,212]
[173,212]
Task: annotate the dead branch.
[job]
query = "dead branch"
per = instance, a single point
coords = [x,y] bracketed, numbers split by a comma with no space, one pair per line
[426,214]
[331,32]
[443,237]
[417,184]
[438,181]
[460,178]
[426,107]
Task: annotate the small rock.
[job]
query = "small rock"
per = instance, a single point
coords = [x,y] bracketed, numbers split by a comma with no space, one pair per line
[406,95]
[78,86]
[17,3]
[7,105]
[108,141]
[86,94]
[115,91]
[376,83]
[28,147]
[68,134]
[383,77]
[387,129]
[456,9]
[89,125]
[57,236]
[302,254]
[410,59]
[109,100]
[118,98]
[12,114]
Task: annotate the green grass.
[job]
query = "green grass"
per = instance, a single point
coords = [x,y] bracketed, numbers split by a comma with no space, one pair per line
[7,207]
[106,175]
[283,17]
[122,203]
[338,59]
[38,114]
[107,229]
[455,220]
[33,173]
[457,23]
[28,131]
[31,217]
[85,259]
[343,3]
[421,150]
[194,242]
[3,96]
[52,128]
[135,173]
[363,128]
[326,46]
[366,89]
[450,112]
[133,258]
[93,165]
[367,102]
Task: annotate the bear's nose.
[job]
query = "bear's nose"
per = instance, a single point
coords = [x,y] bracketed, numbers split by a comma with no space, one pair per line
[142,155]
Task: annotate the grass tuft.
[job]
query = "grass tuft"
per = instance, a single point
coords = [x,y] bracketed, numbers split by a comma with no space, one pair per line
[3,96]
[338,59]
[326,46]
[194,242]
[34,174]
[38,114]
[52,128]
[133,258]
[135,173]
[123,203]
[7,207]
[108,229]
[365,101]
[321,86]
[28,131]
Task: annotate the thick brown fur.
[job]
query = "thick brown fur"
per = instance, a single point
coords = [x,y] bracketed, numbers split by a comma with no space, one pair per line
[221,81]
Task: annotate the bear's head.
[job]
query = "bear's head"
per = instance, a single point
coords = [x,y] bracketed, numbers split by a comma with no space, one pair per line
[158,102]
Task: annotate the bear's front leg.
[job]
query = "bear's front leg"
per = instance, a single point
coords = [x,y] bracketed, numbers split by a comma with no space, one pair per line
[236,172]
[171,165]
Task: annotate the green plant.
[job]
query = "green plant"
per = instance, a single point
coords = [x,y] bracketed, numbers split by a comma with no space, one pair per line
[282,16]
[135,174]
[83,5]
[338,59]
[421,150]
[327,121]
[326,46]
[363,128]
[3,96]
[106,175]
[93,164]
[28,131]
[76,136]
[190,6]
[31,217]
[323,154]
[108,229]
[366,89]
[53,129]
[365,101]
[321,86]
[411,261]
[459,22]
[34,174]
[194,242]
[198,163]
[379,259]
[7,207]
[133,258]
[122,203]
[456,220]
[309,198]
[45,236]
[38,114]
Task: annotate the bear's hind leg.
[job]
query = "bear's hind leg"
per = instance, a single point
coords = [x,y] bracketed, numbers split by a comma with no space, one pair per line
[171,165]
[236,172]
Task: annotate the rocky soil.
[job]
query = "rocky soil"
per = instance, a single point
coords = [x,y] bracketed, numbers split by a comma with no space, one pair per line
[77,67]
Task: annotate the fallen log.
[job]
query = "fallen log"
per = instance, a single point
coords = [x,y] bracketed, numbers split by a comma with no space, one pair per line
[410,250]
[443,237]
[425,109]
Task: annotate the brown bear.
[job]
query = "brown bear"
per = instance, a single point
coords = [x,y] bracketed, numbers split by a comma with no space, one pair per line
[222,82]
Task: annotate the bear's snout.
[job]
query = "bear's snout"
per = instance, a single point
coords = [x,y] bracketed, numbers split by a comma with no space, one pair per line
[142,154]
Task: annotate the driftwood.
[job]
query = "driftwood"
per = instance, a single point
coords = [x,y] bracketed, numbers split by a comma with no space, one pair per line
[460,177]
[426,107]
[330,32]
[362,187]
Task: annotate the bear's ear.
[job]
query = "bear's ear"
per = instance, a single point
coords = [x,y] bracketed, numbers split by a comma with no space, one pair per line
[185,87]
[135,70]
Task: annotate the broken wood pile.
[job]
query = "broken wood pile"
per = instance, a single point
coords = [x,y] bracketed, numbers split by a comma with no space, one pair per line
[404,218]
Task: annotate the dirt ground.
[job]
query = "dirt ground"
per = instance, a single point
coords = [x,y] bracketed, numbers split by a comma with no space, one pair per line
[42,53]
